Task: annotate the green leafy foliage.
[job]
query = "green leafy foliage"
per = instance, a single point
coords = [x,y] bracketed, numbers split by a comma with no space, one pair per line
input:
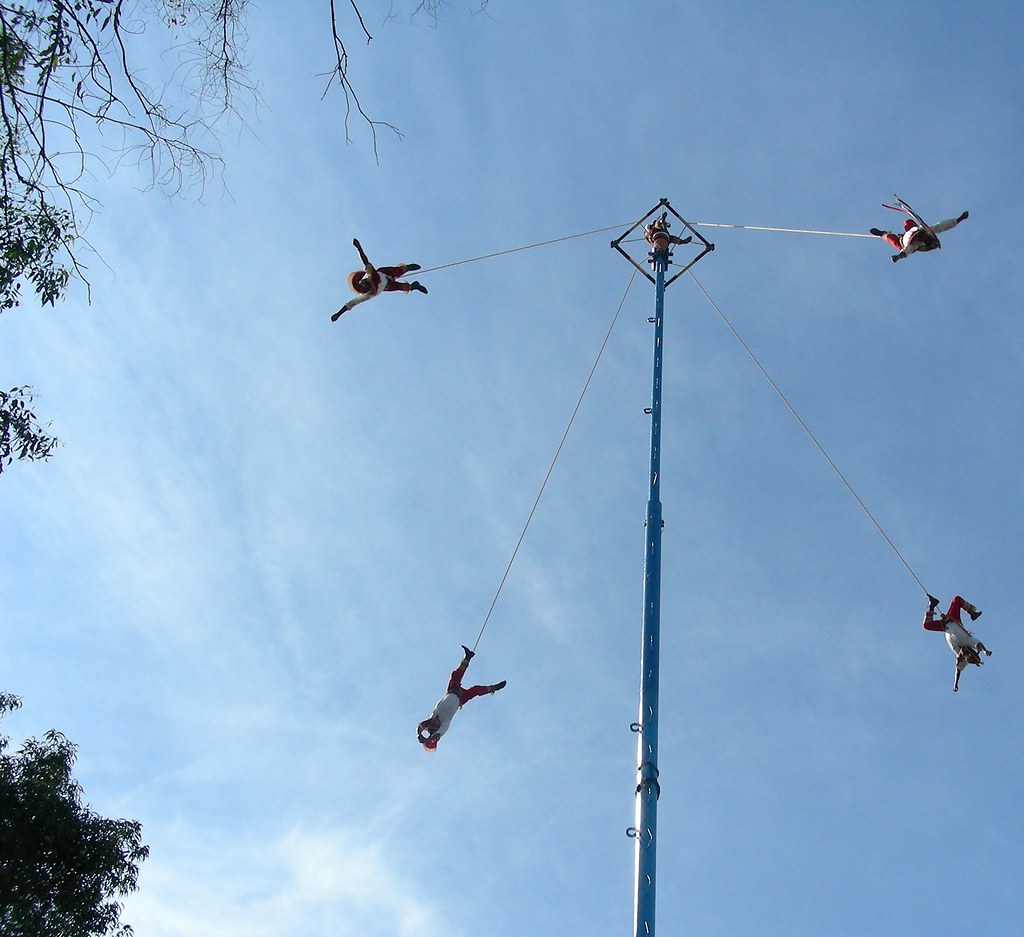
[31,240]
[35,233]
[62,866]
[21,437]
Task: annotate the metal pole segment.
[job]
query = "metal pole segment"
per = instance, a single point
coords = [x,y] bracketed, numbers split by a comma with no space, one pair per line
[648,788]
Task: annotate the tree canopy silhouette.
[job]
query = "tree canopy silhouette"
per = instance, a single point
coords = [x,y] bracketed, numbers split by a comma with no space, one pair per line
[62,866]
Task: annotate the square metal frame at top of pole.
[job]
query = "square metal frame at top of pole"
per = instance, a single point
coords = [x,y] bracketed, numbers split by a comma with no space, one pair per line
[664,206]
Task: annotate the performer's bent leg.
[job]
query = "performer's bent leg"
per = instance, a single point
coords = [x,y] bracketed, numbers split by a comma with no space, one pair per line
[455,680]
[473,692]
[395,285]
[958,605]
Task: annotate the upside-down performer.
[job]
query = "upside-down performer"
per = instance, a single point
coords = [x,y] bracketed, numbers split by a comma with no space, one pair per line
[372,281]
[967,648]
[430,730]
[917,234]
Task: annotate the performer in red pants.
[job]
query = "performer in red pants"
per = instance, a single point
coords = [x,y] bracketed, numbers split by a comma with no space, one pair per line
[916,237]
[959,638]
[372,281]
[430,730]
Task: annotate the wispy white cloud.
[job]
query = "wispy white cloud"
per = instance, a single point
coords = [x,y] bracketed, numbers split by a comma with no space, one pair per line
[307,880]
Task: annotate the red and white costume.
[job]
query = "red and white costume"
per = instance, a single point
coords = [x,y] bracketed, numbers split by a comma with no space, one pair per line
[656,234]
[430,730]
[961,641]
[916,237]
[381,280]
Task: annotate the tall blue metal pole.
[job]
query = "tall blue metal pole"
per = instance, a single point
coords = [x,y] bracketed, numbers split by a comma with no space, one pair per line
[645,832]
[648,789]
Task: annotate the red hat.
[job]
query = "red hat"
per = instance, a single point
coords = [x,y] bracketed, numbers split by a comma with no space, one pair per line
[356,281]
[908,224]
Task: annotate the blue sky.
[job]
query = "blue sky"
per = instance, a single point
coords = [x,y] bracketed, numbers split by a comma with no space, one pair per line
[244,577]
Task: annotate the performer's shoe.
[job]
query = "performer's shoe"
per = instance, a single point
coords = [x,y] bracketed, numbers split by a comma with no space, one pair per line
[469,654]
[877,233]
[963,217]
[411,267]
[932,602]
[974,613]
[417,286]
[499,686]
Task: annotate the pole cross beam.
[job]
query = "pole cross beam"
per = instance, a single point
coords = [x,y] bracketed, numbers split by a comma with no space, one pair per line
[648,788]
[665,208]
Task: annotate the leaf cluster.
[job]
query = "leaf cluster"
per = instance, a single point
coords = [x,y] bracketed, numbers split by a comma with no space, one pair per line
[21,436]
[34,236]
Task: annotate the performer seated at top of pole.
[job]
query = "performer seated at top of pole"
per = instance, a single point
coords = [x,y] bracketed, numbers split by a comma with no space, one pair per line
[657,235]
[372,281]
[430,730]
[959,638]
